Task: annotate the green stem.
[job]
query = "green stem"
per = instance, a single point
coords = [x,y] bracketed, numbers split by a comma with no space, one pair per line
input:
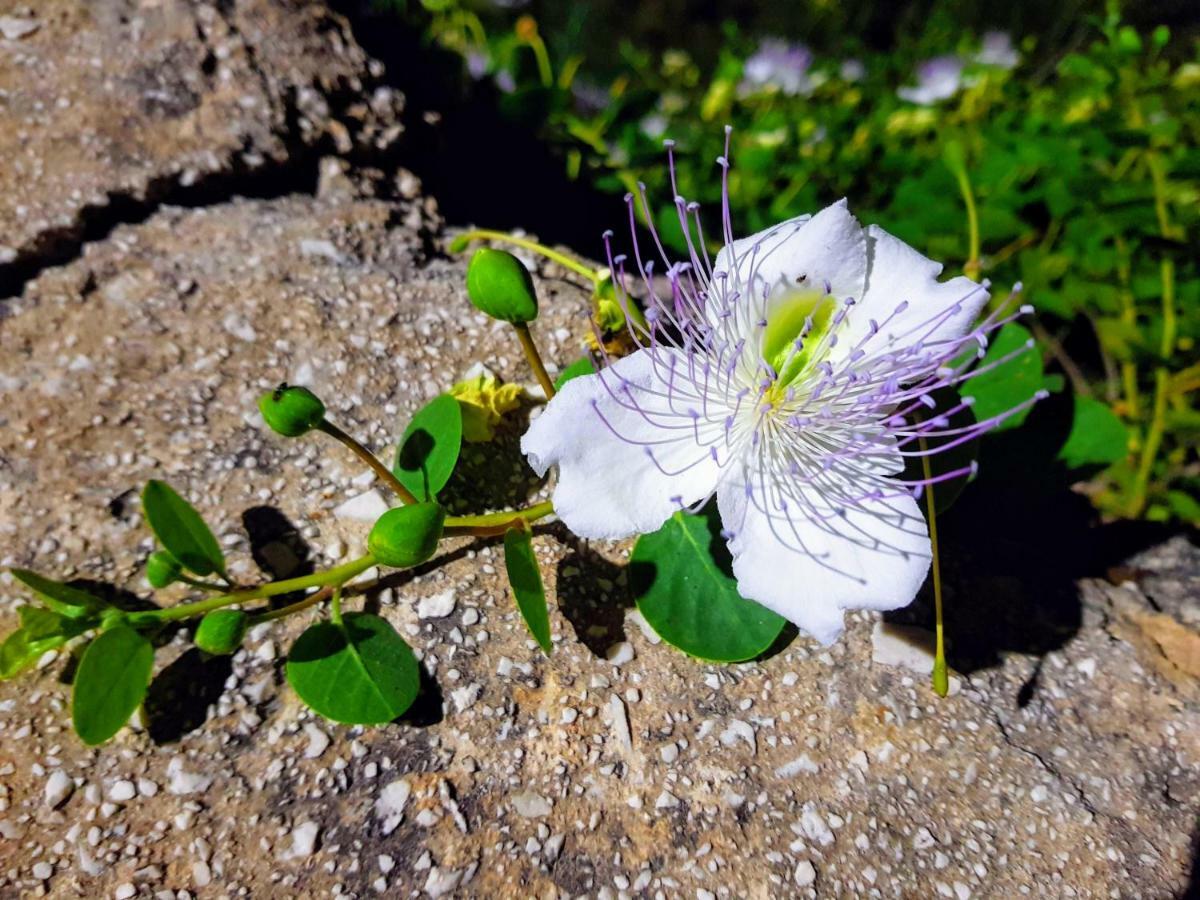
[483,234]
[941,680]
[335,606]
[971,267]
[336,575]
[205,585]
[534,359]
[535,43]
[529,514]
[382,471]
[1162,374]
[1129,375]
[292,608]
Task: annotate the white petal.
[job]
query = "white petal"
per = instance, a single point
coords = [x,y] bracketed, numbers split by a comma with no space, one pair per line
[936,310]
[829,247]
[810,563]
[600,431]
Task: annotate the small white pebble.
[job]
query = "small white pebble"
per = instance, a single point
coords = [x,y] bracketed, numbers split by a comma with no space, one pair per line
[122,791]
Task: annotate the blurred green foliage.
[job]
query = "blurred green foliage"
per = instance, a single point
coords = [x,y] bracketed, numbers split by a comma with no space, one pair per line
[1074,170]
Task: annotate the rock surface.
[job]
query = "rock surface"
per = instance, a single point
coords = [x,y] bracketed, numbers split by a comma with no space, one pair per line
[120,103]
[813,772]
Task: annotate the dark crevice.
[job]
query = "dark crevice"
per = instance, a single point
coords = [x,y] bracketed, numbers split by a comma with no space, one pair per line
[1048,766]
[252,172]
[297,173]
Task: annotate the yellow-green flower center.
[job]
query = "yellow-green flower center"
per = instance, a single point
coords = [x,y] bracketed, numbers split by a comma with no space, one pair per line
[796,326]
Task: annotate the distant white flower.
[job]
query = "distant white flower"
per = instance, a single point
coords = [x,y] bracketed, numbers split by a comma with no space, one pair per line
[478,62]
[654,125]
[780,66]
[998,50]
[852,70]
[505,81]
[792,376]
[937,79]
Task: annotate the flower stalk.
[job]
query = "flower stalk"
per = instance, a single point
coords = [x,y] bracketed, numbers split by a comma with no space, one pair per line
[382,471]
[941,680]
[529,348]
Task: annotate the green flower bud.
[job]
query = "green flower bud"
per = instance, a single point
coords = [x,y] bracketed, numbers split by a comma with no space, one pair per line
[220,632]
[292,411]
[499,285]
[162,569]
[407,535]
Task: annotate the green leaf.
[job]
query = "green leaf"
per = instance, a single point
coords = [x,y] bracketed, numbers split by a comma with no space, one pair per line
[180,529]
[110,683]
[526,581]
[1097,436]
[18,653]
[62,598]
[430,447]
[686,592]
[1184,506]
[1010,383]
[359,672]
[41,623]
[40,630]
[581,366]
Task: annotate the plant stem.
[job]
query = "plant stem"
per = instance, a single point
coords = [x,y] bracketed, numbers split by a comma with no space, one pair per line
[1129,379]
[370,459]
[1162,374]
[534,359]
[335,607]
[299,606]
[204,585]
[529,514]
[483,234]
[971,267]
[941,681]
[336,575]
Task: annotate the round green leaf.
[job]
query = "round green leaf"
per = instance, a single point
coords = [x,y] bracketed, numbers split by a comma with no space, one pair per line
[1097,436]
[359,672]
[110,683]
[62,598]
[180,529]
[686,592]
[1009,384]
[526,581]
[430,447]
[581,366]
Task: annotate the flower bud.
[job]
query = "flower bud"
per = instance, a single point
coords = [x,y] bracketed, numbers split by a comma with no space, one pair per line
[500,285]
[407,535]
[291,411]
[162,569]
[220,632]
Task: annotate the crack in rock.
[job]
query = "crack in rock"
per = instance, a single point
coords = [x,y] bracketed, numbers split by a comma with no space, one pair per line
[182,131]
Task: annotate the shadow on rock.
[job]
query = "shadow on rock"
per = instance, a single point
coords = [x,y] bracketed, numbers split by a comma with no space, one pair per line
[493,475]
[112,595]
[592,595]
[181,694]
[444,149]
[1014,545]
[428,708]
[276,544]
